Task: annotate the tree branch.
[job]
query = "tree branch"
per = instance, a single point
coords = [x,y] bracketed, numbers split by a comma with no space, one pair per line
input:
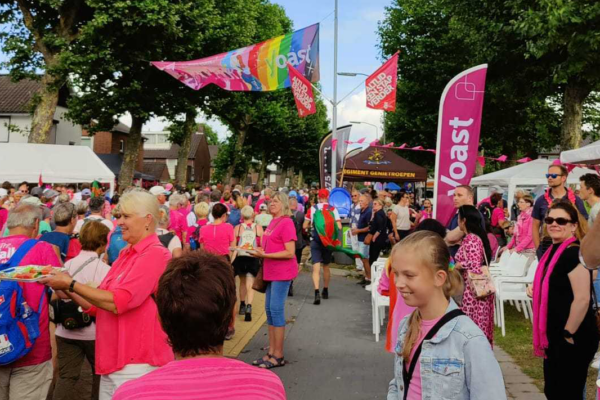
[29,23]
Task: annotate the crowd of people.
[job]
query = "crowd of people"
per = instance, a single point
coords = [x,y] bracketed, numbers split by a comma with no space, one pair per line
[148,292]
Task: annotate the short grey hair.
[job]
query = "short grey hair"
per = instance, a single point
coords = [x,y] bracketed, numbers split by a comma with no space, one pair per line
[163,218]
[82,207]
[215,196]
[64,213]
[25,216]
[247,212]
[177,200]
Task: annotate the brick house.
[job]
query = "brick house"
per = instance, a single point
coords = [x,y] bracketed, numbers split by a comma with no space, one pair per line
[158,150]
[16,113]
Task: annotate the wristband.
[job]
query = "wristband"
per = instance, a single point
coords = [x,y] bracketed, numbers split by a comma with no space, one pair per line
[72,286]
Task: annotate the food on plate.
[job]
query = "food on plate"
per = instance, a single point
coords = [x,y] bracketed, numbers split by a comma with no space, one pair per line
[26,272]
[247,246]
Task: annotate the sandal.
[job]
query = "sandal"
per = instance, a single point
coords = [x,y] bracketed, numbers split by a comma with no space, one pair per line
[262,360]
[269,365]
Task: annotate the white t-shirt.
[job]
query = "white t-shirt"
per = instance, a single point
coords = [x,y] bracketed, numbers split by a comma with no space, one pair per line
[175,243]
[593,214]
[80,223]
[402,217]
[319,206]
[92,274]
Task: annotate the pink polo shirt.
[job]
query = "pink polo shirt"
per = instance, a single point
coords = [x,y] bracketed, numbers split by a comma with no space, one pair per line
[204,379]
[134,334]
[279,232]
[177,223]
[41,254]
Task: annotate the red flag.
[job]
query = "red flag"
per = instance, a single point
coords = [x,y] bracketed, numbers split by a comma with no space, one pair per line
[40,181]
[381,86]
[303,94]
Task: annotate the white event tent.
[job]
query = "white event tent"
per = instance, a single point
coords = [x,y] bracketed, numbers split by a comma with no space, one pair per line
[589,154]
[532,173]
[56,163]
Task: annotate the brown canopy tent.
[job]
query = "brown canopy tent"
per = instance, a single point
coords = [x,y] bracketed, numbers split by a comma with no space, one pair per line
[376,164]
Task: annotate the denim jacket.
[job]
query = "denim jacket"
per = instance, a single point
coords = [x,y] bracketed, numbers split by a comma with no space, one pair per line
[456,364]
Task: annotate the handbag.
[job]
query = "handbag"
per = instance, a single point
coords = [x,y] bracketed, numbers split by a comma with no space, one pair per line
[68,313]
[481,285]
[368,239]
[260,285]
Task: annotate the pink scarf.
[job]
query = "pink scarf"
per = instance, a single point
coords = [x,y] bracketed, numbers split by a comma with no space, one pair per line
[540,298]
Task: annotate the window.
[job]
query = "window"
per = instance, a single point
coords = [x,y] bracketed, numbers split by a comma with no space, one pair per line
[4,129]
[122,146]
[87,141]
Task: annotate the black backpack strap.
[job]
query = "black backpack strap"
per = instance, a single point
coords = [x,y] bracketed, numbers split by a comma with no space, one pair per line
[407,376]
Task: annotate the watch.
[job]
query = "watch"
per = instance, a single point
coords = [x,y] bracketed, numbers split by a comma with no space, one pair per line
[72,286]
[567,334]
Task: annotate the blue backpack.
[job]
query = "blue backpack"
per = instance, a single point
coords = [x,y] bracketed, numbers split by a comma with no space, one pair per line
[235,216]
[116,245]
[19,324]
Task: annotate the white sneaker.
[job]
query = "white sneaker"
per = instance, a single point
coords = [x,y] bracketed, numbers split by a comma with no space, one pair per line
[368,287]
[360,269]
[596,362]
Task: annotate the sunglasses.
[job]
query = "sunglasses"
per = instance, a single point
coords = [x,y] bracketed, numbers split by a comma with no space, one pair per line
[560,221]
[553,176]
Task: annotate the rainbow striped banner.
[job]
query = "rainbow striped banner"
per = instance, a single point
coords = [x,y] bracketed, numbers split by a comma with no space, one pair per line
[261,67]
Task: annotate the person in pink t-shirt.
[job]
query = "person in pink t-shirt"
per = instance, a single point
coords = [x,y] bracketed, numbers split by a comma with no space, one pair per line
[29,378]
[178,222]
[279,269]
[195,300]
[129,339]
[217,237]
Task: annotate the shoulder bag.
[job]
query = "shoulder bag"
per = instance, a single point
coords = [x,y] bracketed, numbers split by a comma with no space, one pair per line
[482,285]
[260,285]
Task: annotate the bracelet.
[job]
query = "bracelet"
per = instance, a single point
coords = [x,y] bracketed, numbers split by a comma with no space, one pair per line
[72,286]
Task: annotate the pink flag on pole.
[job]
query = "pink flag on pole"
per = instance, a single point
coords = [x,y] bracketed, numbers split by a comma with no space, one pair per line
[459,126]
[502,158]
[303,94]
[381,86]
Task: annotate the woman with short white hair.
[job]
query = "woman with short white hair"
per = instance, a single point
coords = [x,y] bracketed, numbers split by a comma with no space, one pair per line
[247,235]
[130,341]
[168,239]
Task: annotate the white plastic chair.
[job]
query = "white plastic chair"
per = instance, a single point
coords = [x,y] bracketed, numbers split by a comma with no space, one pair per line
[378,302]
[514,289]
[516,266]
[503,260]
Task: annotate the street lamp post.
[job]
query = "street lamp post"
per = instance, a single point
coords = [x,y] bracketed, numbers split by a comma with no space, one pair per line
[335,102]
[373,125]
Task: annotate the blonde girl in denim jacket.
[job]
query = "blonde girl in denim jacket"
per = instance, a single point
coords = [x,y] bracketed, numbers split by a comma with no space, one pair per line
[440,354]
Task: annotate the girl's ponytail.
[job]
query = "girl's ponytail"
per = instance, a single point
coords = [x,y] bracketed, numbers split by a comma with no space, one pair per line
[454,284]
[412,335]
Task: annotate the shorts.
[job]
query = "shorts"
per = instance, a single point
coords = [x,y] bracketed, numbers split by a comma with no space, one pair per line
[363,249]
[243,266]
[319,253]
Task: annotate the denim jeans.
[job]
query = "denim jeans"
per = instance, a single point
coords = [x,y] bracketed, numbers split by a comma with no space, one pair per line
[276,294]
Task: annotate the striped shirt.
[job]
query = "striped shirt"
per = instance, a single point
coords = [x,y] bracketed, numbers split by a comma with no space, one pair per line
[204,378]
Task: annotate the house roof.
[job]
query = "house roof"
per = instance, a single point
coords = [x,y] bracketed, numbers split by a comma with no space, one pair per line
[173,151]
[155,169]
[114,163]
[213,150]
[15,97]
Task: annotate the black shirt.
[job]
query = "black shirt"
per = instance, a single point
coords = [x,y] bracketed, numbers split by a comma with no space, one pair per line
[379,224]
[560,298]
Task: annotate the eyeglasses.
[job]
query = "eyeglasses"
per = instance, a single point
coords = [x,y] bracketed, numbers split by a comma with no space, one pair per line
[553,176]
[560,221]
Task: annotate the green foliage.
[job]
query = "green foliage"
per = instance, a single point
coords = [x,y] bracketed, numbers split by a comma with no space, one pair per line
[437,40]
[211,135]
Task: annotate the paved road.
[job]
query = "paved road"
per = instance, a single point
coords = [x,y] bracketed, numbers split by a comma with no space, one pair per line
[330,351]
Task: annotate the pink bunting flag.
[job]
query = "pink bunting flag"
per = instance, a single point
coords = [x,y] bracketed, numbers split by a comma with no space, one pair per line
[597,168]
[374,143]
[333,144]
[349,142]
[570,167]
[524,160]
[361,140]
[418,148]
[502,158]
[431,151]
[403,146]
[389,145]
[481,161]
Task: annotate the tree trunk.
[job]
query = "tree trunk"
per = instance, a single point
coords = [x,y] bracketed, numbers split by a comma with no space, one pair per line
[43,115]
[132,151]
[184,149]
[239,145]
[300,179]
[574,97]
[262,172]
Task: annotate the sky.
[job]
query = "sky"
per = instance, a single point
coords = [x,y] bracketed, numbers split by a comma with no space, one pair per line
[357,52]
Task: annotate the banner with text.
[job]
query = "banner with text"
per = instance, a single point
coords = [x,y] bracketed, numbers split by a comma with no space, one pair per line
[343,134]
[459,125]
[260,67]
[303,94]
[381,86]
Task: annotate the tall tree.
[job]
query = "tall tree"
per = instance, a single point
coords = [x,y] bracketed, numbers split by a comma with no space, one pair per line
[564,33]
[36,35]
[211,135]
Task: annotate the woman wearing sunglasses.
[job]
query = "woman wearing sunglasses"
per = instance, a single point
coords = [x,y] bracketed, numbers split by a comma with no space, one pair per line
[564,325]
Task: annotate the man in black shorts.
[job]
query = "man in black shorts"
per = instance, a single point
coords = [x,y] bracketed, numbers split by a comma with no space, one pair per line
[319,254]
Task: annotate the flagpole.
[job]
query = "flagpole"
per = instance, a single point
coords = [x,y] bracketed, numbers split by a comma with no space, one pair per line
[335,102]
